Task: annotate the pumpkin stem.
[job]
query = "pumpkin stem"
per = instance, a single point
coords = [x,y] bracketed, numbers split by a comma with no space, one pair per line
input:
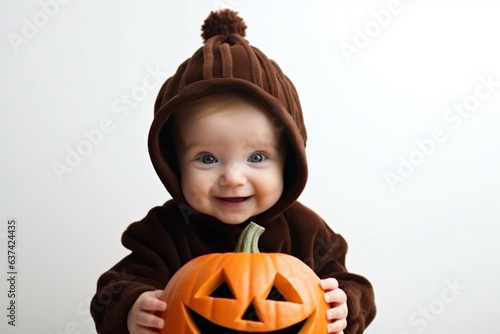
[249,239]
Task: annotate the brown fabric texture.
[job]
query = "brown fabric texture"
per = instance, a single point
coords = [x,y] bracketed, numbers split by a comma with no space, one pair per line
[169,236]
[173,234]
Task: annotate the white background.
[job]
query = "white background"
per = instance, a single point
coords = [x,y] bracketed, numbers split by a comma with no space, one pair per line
[438,227]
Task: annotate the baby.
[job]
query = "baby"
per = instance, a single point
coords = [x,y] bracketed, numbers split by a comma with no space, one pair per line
[228,142]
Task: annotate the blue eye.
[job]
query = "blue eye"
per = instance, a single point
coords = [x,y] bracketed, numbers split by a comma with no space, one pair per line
[256,158]
[208,159]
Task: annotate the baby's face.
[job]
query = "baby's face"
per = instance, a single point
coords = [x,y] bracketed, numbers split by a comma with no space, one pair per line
[231,159]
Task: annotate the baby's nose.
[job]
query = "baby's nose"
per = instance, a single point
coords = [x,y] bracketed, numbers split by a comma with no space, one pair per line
[232,176]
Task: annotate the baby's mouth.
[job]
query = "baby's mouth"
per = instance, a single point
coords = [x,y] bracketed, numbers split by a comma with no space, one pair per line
[233,199]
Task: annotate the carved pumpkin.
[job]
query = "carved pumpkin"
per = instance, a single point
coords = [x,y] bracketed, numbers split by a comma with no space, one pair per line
[245,292]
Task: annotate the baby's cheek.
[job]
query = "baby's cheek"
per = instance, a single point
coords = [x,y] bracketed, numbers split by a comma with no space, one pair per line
[197,200]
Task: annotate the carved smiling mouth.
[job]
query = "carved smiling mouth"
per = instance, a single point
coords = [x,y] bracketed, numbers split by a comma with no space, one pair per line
[205,326]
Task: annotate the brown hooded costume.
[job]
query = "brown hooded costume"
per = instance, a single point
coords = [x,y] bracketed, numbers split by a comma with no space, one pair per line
[173,234]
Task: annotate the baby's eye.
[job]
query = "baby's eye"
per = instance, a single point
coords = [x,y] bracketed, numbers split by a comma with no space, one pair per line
[256,157]
[207,159]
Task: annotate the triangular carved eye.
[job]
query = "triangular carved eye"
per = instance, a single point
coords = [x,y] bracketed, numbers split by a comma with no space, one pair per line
[276,295]
[222,291]
[283,291]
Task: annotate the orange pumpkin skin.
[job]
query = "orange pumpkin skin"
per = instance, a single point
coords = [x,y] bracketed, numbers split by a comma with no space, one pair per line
[236,292]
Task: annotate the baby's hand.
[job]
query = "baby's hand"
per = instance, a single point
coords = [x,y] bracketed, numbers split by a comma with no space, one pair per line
[141,317]
[337,298]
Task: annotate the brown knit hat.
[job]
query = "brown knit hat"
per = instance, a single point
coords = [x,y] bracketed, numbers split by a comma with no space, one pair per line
[227,62]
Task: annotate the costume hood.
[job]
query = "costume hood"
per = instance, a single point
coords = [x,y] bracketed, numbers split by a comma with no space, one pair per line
[227,62]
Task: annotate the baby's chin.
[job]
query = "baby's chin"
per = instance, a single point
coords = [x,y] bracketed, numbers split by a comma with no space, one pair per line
[227,216]
[233,220]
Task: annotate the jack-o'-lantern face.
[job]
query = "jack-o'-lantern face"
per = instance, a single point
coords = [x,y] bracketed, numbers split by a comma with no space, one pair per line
[245,293]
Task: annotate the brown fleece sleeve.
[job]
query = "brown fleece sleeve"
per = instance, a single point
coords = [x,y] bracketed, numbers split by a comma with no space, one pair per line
[325,252]
[114,298]
[360,301]
[143,270]
[359,291]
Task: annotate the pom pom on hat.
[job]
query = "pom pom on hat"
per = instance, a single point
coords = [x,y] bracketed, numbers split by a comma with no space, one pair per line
[223,22]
